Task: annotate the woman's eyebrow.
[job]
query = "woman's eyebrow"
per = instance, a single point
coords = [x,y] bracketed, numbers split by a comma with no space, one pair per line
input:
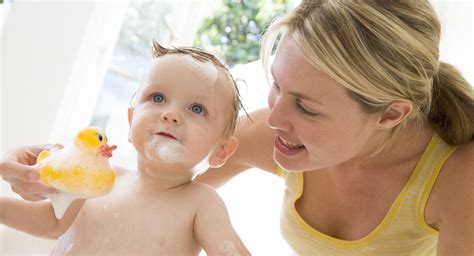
[298,94]
[305,97]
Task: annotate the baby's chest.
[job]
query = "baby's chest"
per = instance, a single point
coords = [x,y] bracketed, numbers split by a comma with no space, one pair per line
[119,220]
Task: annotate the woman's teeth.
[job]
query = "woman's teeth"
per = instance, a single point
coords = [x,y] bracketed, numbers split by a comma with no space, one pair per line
[290,144]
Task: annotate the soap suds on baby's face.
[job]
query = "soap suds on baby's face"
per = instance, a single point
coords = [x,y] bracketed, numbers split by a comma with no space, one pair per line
[165,149]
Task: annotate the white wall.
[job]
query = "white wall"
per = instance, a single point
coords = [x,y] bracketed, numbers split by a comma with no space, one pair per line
[41,41]
[457,26]
[35,70]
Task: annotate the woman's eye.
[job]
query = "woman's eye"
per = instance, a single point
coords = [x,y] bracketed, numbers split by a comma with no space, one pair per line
[158,98]
[303,110]
[198,109]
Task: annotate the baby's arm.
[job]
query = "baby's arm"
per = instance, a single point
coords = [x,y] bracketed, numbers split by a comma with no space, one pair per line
[36,218]
[213,229]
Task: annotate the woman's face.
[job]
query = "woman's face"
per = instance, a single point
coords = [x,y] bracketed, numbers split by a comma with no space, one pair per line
[317,123]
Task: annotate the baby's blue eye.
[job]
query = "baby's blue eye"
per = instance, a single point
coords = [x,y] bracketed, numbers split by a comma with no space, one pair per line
[158,98]
[197,109]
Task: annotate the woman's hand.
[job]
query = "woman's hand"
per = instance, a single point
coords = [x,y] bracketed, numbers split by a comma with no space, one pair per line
[17,169]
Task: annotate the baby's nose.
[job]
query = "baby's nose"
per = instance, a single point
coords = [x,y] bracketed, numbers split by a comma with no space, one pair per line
[170,116]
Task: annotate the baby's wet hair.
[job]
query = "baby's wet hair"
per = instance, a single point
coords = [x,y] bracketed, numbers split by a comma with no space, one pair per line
[202,56]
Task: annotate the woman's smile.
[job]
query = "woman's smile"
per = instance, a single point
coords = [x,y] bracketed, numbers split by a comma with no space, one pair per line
[288,148]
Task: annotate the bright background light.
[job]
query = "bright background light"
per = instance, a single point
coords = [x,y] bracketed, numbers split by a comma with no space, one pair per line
[63,68]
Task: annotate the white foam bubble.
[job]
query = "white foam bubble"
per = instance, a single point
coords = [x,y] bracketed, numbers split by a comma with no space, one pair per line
[69,248]
[228,249]
[206,70]
[165,149]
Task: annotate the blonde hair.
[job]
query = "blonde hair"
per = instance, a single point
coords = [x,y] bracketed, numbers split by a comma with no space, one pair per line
[382,51]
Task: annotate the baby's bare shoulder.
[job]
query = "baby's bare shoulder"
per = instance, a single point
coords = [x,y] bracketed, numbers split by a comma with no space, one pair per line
[202,192]
[200,189]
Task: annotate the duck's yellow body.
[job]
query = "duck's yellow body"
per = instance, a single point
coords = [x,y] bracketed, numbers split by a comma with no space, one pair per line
[79,181]
[80,171]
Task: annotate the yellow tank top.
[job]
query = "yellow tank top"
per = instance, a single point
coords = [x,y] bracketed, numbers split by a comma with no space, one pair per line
[403,230]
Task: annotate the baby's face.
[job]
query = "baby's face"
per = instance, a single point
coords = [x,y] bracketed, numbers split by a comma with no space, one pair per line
[181,111]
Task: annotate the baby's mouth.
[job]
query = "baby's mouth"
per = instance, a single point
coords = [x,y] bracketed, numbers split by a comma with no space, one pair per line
[165,134]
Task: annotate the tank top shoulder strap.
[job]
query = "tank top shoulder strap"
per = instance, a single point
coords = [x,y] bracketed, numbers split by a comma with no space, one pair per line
[429,165]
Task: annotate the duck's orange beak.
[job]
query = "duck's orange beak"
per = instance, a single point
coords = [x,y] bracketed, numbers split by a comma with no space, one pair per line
[106,150]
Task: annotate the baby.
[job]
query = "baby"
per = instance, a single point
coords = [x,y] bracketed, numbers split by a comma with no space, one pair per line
[181,123]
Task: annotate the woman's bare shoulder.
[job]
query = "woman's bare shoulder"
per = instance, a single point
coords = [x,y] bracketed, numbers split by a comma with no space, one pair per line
[453,189]
[459,166]
[451,199]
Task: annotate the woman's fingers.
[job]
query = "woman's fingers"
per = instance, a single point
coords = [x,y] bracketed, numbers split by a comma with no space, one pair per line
[28,155]
[30,197]
[32,188]
[17,169]
[12,169]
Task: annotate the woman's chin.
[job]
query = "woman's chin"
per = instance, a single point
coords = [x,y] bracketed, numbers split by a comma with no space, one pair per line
[298,163]
[288,164]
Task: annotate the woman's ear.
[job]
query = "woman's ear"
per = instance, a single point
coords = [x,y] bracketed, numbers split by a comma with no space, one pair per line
[395,113]
[225,150]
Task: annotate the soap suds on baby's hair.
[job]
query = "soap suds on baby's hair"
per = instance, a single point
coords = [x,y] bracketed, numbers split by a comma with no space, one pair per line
[205,70]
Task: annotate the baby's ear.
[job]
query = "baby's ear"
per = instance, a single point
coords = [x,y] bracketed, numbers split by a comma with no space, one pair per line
[225,150]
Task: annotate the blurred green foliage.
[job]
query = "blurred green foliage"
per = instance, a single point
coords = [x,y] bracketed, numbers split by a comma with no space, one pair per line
[235,28]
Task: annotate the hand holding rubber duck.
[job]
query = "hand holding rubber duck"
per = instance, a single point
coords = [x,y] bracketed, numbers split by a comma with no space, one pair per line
[82,170]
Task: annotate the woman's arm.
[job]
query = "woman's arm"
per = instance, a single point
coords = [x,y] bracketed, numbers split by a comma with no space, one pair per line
[37,218]
[255,150]
[452,202]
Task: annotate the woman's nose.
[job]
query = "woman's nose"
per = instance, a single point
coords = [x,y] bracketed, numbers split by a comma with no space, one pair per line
[278,117]
[170,116]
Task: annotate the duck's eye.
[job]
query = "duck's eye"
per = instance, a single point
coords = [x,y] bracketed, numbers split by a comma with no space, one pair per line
[100,137]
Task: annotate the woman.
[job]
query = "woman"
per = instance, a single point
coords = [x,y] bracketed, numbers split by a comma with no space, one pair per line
[371,132]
